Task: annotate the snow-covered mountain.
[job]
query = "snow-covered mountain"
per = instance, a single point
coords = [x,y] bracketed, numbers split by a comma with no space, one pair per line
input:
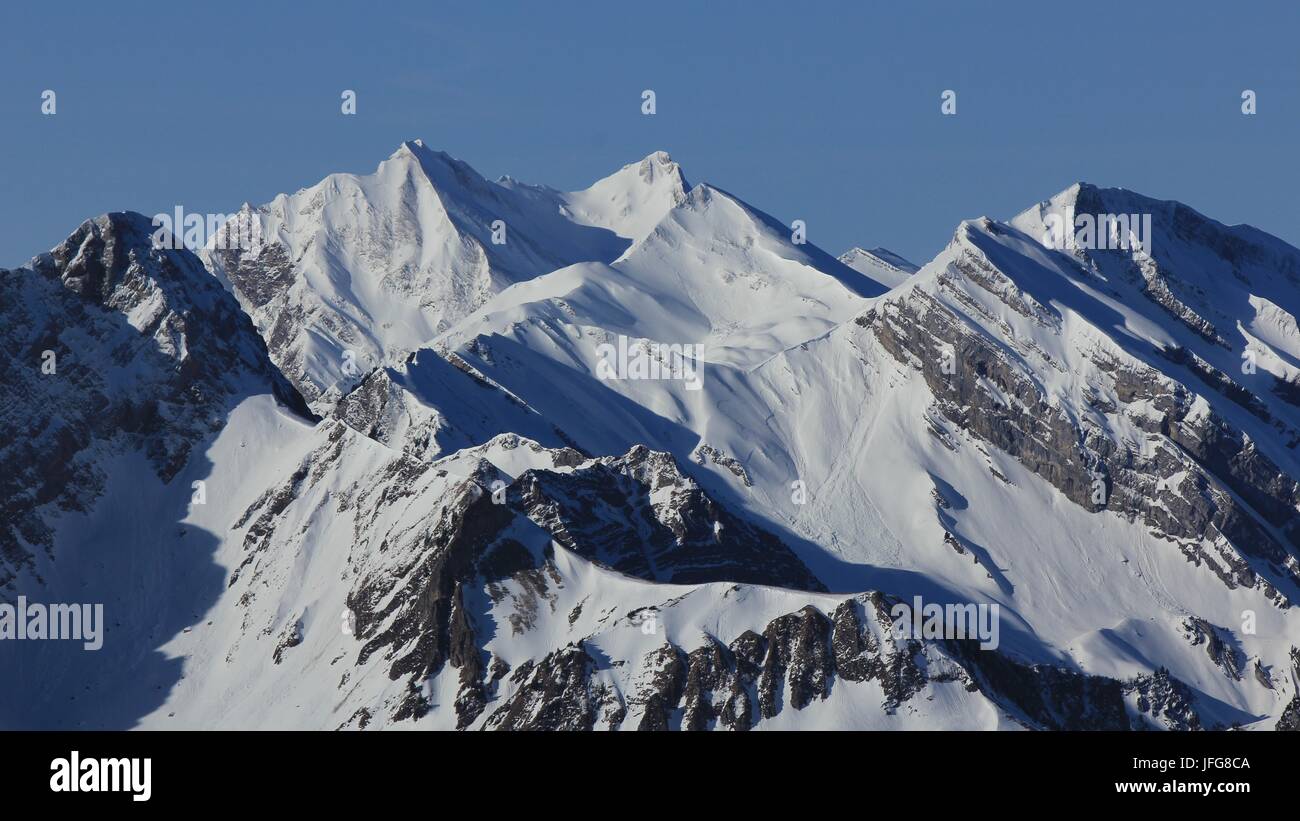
[358,271]
[524,510]
[881,264]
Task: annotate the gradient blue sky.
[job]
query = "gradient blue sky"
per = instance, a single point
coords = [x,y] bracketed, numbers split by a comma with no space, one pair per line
[826,112]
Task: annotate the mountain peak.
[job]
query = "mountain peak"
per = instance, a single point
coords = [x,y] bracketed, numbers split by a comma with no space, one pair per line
[1084,196]
[95,258]
[439,167]
[406,147]
[656,169]
[407,150]
[633,199]
[662,163]
[413,148]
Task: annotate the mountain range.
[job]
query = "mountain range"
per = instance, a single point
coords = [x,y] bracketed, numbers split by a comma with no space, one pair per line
[376,468]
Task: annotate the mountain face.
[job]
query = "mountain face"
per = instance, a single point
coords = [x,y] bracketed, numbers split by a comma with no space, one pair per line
[360,270]
[652,462]
[116,346]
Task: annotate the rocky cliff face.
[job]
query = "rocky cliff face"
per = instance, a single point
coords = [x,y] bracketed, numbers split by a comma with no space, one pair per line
[1290,717]
[641,516]
[117,347]
[462,559]
[635,514]
[1195,477]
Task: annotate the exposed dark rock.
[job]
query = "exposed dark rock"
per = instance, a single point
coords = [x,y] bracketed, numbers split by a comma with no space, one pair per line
[1261,675]
[862,655]
[291,636]
[604,511]
[797,650]
[707,453]
[1075,457]
[664,692]
[149,354]
[422,625]
[555,695]
[746,651]
[1165,699]
[1290,718]
[1218,647]
[1047,697]
[707,672]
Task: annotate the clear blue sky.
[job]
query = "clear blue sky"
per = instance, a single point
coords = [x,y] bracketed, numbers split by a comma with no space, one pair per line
[827,112]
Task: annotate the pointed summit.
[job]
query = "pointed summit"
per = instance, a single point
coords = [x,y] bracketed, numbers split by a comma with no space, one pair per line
[363,269]
[407,148]
[447,174]
[410,150]
[659,163]
[631,201]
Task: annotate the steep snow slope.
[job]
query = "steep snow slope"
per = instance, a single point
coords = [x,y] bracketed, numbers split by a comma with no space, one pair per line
[358,271]
[714,272]
[377,590]
[1000,429]
[103,454]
